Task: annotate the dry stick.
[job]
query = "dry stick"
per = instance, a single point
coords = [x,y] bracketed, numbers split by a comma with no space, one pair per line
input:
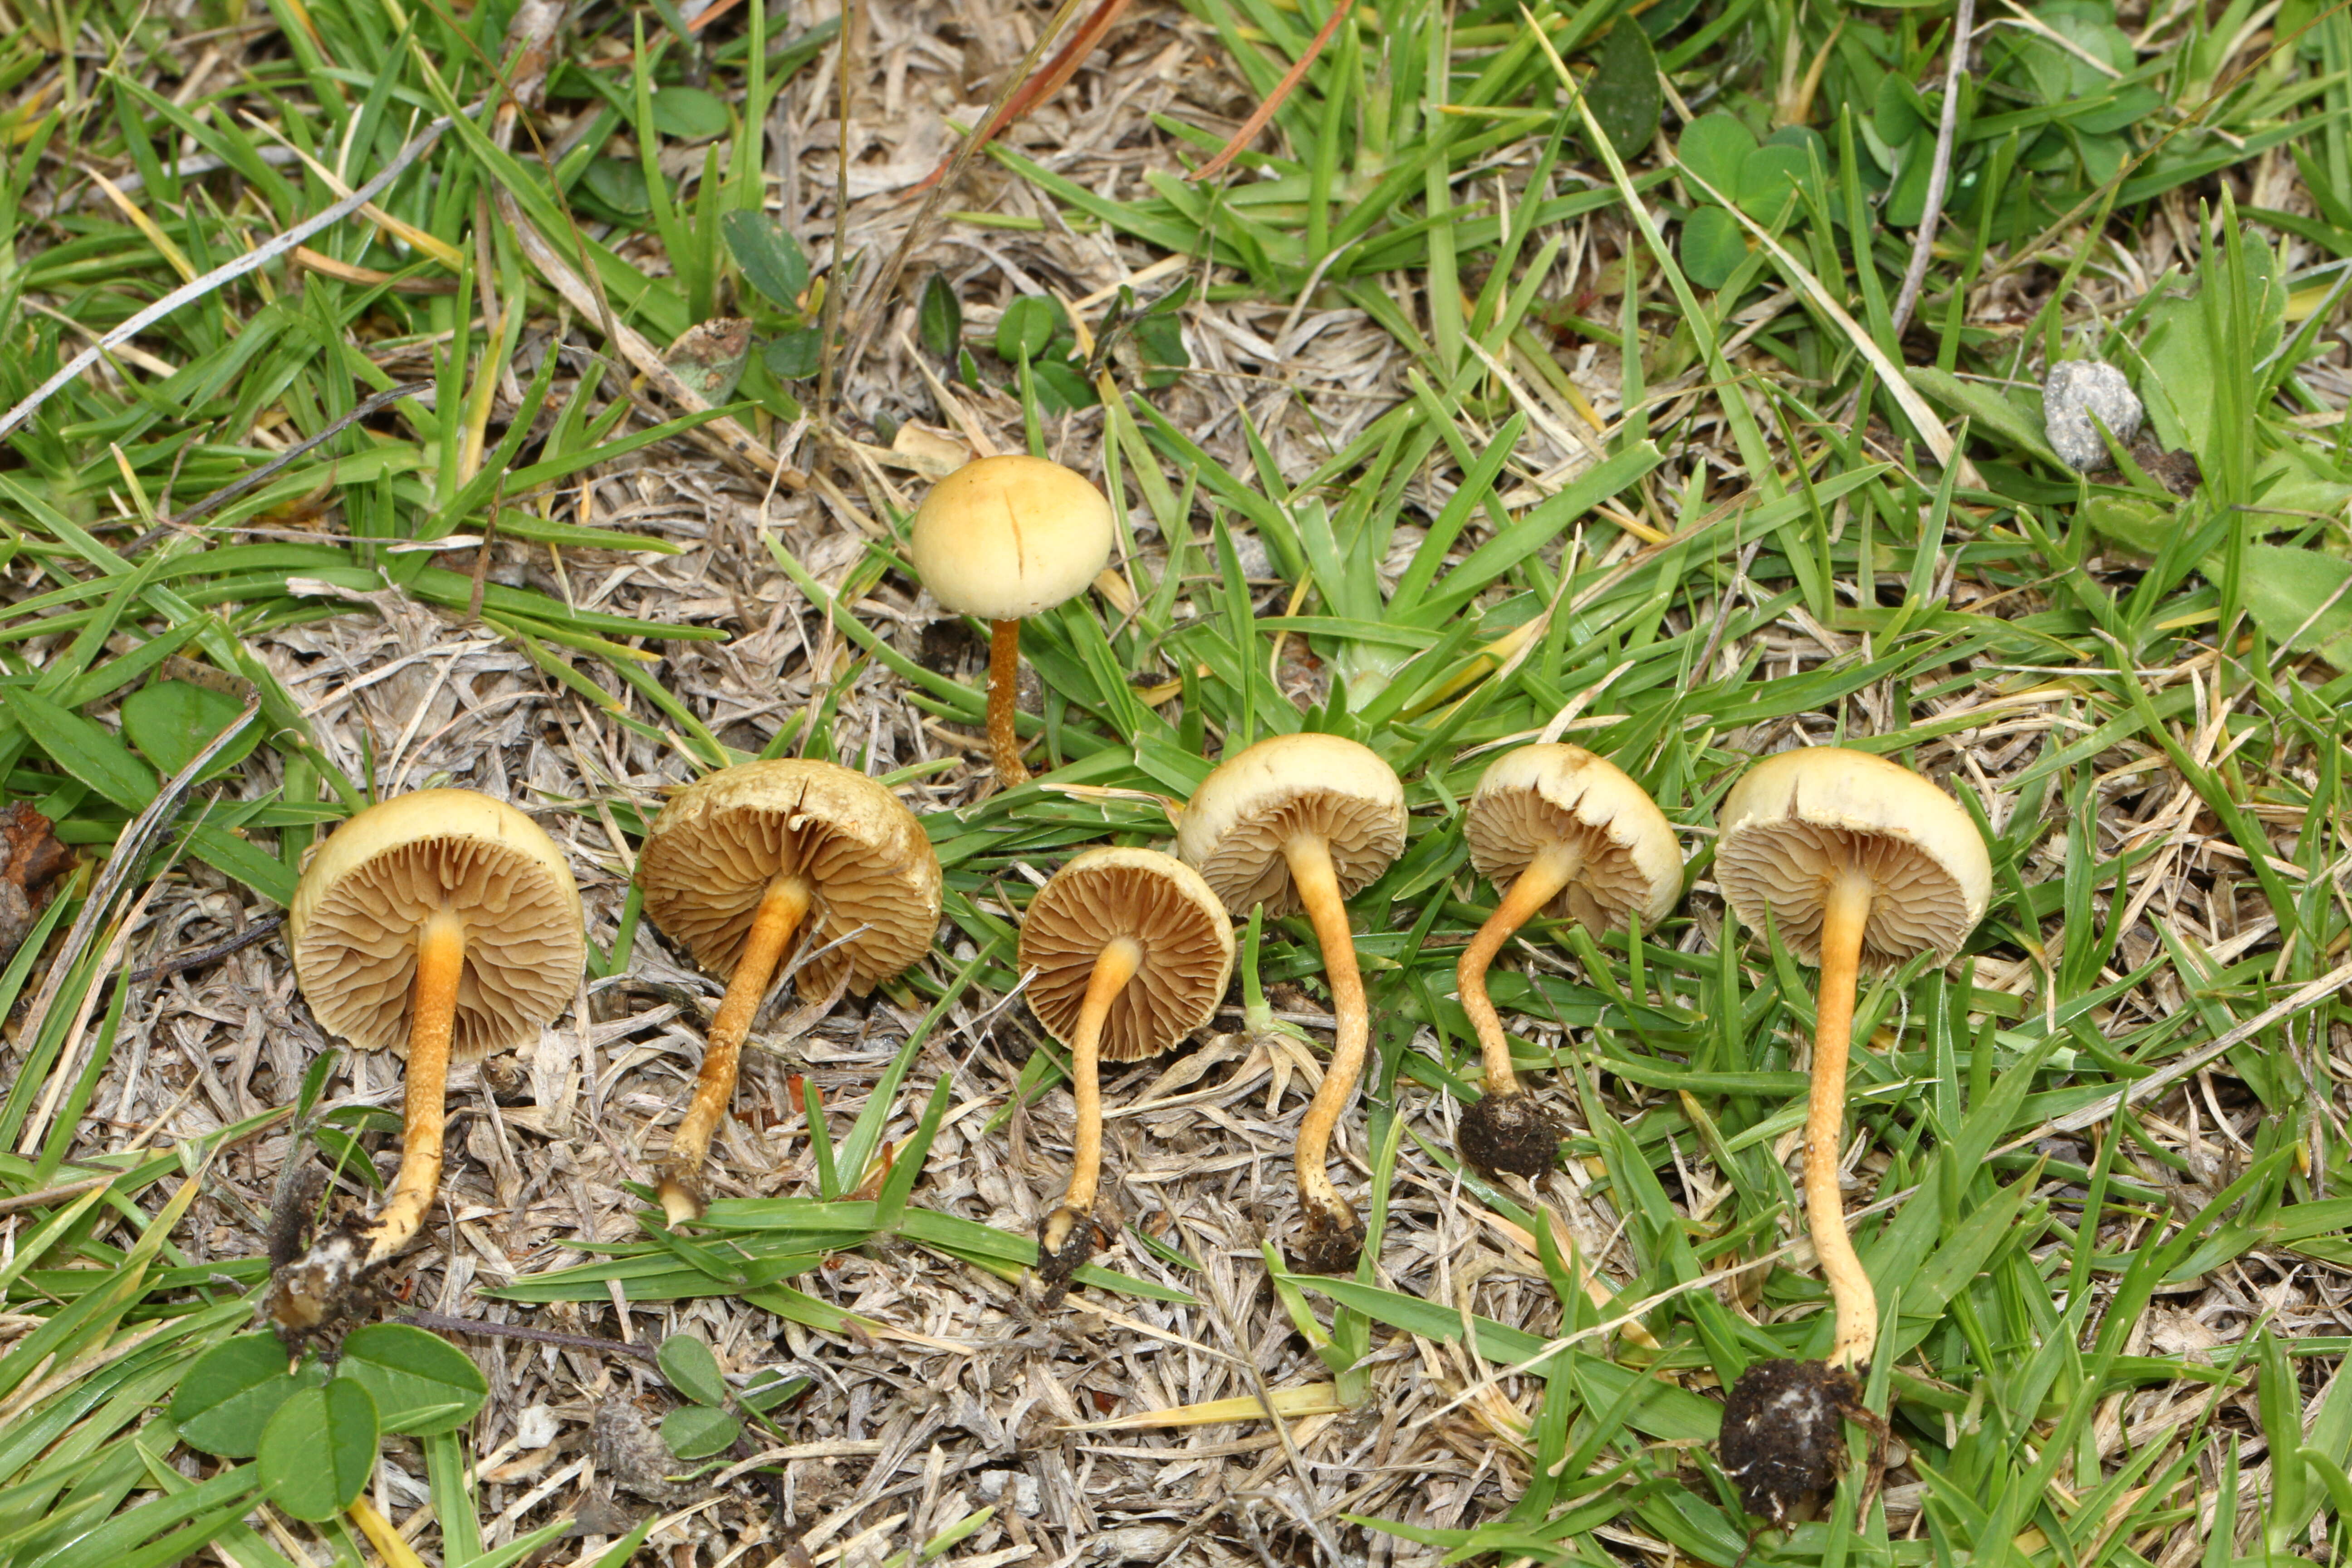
[1310,858]
[1003,690]
[221,277]
[869,312]
[781,913]
[837,286]
[1530,891]
[433,1015]
[1114,967]
[1842,921]
[1915,276]
[1042,85]
[1274,101]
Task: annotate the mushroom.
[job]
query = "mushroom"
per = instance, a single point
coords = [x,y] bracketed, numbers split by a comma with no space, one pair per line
[1003,537]
[1565,833]
[1131,951]
[1304,821]
[444,925]
[737,864]
[1848,857]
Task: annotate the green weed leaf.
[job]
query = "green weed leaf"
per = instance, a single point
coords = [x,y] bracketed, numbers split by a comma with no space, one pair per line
[771,260]
[939,317]
[692,1370]
[2300,599]
[1623,88]
[421,1383]
[1025,327]
[697,1431]
[1713,147]
[169,721]
[228,1396]
[317,1451]
[1714,245]
[689,113]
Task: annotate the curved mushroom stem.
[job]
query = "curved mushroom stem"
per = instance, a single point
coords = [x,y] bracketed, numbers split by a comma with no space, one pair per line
[1003,688]
[1530,891]
[432,1017]
[1335,1235]
[1114,967]
[782,909]
[1842,921]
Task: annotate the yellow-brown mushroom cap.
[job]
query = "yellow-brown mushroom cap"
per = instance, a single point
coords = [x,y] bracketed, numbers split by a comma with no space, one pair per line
[1797,817]
[723,839]
[1007,537]
[1236,822]
[1167,910]
[371,886]
[1532,798]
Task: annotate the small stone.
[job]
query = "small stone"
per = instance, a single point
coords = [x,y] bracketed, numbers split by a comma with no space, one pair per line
[2077,389]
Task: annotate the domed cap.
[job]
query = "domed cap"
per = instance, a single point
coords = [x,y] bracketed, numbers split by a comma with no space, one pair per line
[1233,830]
[1537,796]
[1161,902]
[721,840]
[1006,537]
[1796,817]
[372,885]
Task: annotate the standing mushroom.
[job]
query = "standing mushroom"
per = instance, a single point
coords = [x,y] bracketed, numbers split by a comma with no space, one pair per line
[1003,537]
[1567,833]
[1304,821]
[1850,858]
[734,868]
[444,925]
[1131,951]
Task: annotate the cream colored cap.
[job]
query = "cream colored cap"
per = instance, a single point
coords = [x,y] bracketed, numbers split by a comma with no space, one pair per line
[1796,817]
[721,840]
[1102,895]
[1006,537]
[1537,796]
[1233,828]
[370,887]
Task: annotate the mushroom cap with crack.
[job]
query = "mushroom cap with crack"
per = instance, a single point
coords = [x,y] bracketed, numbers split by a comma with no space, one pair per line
[1233,828]
[1540,796]
[1796,817]
[1006,537]
[371,886]
[723,839]
[1102,895]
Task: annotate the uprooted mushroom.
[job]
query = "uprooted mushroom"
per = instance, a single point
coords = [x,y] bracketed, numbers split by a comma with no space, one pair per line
[1131,952]
[741,863]
[1564,832]
[443,925]
[1846,858]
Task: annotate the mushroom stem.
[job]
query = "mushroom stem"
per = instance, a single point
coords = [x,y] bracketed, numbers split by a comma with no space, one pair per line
[1844,918]
[1318,882]
[782,909]
[1550,871]
[1003,687]
[1114,967]
[433,1015]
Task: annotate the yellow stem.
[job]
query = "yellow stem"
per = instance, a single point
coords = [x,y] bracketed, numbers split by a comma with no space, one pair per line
[781,911]
[1318,882]
[1003,688]
[1114,967]
[1530,891]
[432,1017]
[1842,923]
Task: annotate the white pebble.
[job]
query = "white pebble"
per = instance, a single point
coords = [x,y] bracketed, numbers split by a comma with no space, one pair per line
[2077,389]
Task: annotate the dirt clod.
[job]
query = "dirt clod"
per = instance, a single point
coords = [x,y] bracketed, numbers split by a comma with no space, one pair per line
[1784,1441]
[1511,1135]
